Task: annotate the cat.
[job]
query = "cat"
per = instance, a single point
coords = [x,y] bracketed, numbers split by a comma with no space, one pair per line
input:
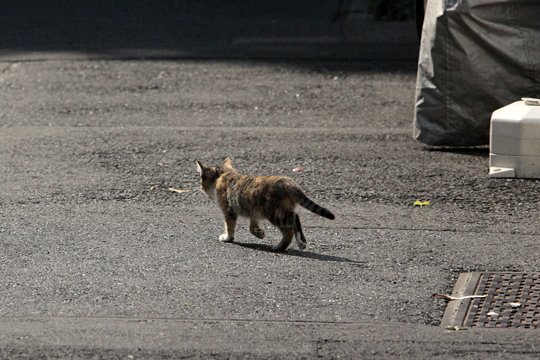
[273,198]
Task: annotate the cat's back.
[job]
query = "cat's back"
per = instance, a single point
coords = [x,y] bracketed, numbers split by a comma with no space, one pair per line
[255,194]
[253,182]
[257,185]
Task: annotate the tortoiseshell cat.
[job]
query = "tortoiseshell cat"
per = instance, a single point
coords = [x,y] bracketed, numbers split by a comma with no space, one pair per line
[258,197]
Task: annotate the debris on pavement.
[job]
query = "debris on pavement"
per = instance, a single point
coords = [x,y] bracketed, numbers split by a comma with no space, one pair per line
[456,328]
[180,191]
[449,297]
[298,169]
[422,202]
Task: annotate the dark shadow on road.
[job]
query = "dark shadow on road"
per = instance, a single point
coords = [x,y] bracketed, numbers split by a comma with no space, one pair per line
[299,253]
[211,29]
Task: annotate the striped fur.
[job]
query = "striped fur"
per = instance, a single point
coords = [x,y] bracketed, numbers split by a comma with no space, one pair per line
[302,200]
[272,198]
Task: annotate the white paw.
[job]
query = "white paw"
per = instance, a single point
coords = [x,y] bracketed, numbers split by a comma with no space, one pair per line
[225,238]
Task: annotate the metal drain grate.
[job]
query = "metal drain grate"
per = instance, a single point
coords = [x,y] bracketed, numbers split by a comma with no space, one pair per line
[511,301]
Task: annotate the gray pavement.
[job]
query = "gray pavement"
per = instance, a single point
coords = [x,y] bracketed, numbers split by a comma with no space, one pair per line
[101,260]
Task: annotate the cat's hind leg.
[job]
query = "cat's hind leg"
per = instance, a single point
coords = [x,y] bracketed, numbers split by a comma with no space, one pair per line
[299,234]
[255,229]
[285,221]
[288,234]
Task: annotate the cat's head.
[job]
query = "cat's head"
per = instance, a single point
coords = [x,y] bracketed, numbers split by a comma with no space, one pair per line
[210,174]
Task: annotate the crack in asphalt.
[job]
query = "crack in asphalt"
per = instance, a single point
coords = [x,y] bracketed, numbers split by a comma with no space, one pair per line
[6,68]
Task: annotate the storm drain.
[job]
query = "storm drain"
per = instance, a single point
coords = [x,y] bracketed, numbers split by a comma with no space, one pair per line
[495,300]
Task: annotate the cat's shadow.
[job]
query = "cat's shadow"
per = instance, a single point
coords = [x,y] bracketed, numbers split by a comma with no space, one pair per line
[299,253]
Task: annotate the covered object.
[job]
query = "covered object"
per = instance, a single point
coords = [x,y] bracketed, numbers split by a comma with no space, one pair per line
[475,56]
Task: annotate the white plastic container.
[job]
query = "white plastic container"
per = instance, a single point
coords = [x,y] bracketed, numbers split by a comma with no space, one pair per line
[514,140]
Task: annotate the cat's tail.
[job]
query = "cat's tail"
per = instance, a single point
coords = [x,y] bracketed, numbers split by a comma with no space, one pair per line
[300,197]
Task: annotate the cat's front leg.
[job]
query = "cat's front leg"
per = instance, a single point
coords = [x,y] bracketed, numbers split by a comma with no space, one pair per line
[255,229]
[230,226]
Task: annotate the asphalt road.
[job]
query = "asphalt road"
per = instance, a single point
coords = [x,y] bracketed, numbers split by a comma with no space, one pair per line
[100,259]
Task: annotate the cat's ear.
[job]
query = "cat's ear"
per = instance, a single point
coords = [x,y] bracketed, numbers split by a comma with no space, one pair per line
[200,167]
[226,165]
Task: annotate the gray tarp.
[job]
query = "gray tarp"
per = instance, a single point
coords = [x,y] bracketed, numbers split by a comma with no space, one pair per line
[475,57]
